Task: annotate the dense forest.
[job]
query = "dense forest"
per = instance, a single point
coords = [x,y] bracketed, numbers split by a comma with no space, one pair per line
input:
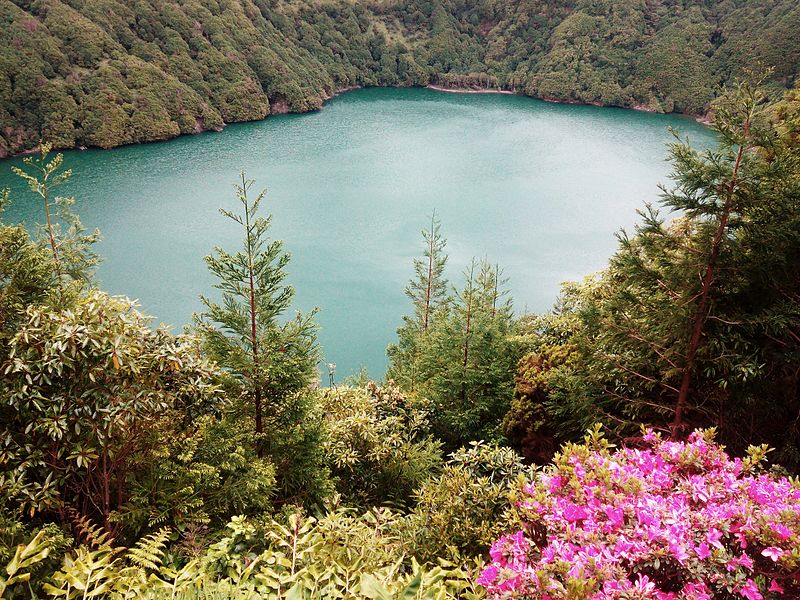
[107,72]
[212,464]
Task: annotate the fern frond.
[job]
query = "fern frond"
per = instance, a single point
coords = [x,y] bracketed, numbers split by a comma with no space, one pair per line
[149,551]
[87,530]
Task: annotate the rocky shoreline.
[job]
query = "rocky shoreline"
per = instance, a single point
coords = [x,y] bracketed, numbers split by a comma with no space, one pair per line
[702,119]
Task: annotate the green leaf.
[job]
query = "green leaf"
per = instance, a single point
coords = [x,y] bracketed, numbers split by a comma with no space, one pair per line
[411,590]
[372,588]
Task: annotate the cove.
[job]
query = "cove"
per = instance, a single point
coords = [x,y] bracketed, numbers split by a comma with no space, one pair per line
[538,188]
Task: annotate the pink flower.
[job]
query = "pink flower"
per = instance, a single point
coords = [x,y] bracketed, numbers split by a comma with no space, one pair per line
[488,576]
[776,587]
[781,530]
[616,516]
[643,584]
[743,561]
[714,536]
[688,498]
[750,591]
[773,553]
[574,513]
[703,551]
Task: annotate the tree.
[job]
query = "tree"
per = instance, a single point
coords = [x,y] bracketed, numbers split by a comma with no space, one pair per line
[712,202]
[26,275]
[467,363]
[273,362]
[73,257]
[427,292]
[81,391]
[694,322]
[46,178]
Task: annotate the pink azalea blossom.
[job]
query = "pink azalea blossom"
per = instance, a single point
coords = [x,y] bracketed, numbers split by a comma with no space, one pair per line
[773,553]
[632,522]
[775,587]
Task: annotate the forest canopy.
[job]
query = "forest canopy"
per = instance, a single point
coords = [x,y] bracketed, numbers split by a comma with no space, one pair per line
[107,72]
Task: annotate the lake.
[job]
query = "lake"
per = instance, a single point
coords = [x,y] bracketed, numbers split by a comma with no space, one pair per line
[538,188]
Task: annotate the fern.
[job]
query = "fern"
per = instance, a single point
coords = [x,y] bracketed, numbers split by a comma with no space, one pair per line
[86,573]
[149,551]
[87,530]
[26,556]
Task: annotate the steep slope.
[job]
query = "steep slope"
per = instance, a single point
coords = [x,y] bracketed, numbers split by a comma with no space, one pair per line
[110,72]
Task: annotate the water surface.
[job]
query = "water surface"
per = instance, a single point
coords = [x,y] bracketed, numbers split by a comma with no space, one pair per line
[538,188]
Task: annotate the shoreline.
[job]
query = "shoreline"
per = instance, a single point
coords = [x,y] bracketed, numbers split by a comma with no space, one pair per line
[701,119]
[447,90]
[282,109]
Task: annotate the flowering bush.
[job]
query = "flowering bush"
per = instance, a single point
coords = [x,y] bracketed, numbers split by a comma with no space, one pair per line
[673,520]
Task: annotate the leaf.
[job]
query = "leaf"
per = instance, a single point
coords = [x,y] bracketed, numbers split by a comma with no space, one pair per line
[411,590]
[295,592]
[372,588]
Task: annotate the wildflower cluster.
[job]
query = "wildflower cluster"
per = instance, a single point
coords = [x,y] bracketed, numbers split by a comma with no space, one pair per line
[670,520]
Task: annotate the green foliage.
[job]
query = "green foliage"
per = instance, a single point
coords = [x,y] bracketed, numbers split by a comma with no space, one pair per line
[272,362]
[527,424]
[428,294]
[26,556]
[106,73]
[199,476]
[693,324]
[456,350]
[377,444]
[467,361]
[108,571]
[27,276]
[82,387]
[340,555]
[72,253]
[461,511]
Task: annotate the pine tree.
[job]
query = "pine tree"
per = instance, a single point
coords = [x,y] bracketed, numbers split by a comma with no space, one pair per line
[467,365]
[273,360]
[428,293]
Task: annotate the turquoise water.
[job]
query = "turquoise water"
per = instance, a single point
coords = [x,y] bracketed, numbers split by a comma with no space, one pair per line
[538,188]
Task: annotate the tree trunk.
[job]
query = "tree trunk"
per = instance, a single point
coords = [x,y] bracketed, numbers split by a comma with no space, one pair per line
[701,314]
[467,331]
[50,233]
[256,380]
[430,279]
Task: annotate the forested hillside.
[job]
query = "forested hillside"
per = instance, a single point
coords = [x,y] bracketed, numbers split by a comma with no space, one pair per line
[107,72]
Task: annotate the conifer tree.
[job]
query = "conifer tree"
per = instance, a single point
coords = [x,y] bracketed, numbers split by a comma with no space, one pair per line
[273,360]
[696,318]
[429,289]
[467,366]
[428,293]
[715,201]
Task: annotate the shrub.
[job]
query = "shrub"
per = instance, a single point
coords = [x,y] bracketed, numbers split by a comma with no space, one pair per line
[461,511]
[378,444]
[671,520]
